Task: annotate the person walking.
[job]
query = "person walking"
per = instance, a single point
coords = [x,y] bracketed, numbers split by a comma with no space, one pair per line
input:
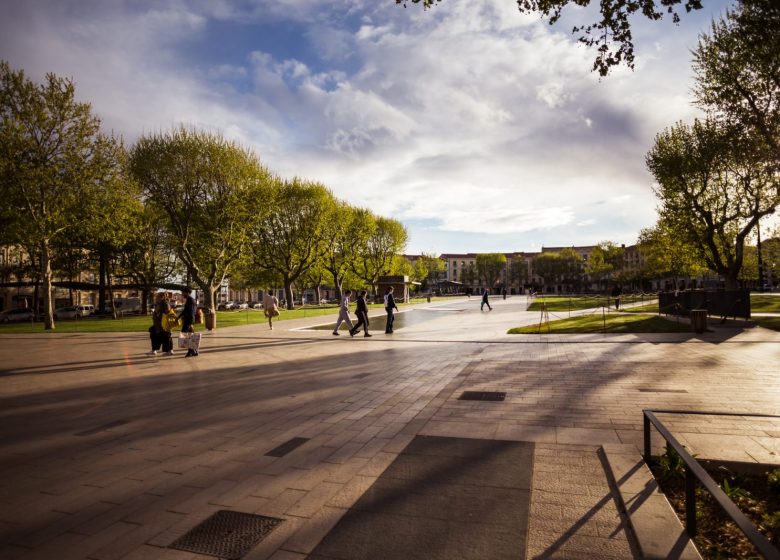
[270,307]
[155,331]
[187,317]
[361,310]
[485,301]
[390,308]
[344,314]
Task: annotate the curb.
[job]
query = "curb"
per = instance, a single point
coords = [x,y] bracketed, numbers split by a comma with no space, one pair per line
[657,529]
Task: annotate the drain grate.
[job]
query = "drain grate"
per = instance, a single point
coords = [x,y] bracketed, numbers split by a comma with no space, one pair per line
[102,428]
[662,391]
[287,446]
[482,396]
[227,534]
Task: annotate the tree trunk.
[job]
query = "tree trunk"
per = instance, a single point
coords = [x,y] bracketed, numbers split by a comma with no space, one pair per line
[145,299]
[102,283]
[111,293]
[48,309]
[288,294]
[339,283]
[732,281]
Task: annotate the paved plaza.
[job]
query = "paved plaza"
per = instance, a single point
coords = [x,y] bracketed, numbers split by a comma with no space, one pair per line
[106,453]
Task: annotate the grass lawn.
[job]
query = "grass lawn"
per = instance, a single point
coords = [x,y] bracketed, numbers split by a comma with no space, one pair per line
[763,303]
[768,322]
[140,323]
[649,308]
[633,323]
[576,303]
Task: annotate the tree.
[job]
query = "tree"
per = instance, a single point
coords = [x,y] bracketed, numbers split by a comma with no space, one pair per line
[346,229]
[288,240]
[211,190]
[547,266]
[490,268]
[469,276]
[714,184]
[612,35]
[570,267]
[149,256]
[51,152]
[603,260]
[387,238]
[667,254]
[518,272]
[737,70]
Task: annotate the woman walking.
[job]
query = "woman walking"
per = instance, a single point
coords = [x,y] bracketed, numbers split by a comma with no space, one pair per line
[270,307]
[361,310]
[344,314]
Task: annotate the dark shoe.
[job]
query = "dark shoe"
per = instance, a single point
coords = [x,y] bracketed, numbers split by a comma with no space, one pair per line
[368,335]
[352,333]
[336,334]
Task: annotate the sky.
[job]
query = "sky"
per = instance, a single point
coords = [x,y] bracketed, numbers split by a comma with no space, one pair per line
[480,128]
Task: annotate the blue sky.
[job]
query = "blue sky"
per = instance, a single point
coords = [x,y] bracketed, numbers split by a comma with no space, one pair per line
[480,128]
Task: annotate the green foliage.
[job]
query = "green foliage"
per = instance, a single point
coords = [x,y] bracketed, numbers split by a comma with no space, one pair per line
[667,254]
[732,485]
[670,464]
[490,268]
[771,522]
[611,35]
[737,71]
[288,238]
[773,481]
[386,239]
[53,162]
[211,190]
[713,185]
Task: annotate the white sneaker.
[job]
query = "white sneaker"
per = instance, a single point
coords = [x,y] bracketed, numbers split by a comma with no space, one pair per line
[169,353]
[152,353]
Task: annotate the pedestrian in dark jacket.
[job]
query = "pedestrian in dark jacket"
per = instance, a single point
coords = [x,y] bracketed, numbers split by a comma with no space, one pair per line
[390,307]
[187,317]
[362,314]
[485,301]
[156,330]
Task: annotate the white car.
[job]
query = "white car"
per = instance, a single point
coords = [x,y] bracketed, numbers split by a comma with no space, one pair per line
[74,312]
[16,316]
[241,305]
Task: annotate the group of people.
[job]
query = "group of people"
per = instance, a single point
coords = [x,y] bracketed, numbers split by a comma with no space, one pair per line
[164,319]
[361,310]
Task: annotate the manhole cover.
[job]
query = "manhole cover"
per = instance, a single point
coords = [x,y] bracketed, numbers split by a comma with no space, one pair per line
[227,534]
[287,446]
[482,396]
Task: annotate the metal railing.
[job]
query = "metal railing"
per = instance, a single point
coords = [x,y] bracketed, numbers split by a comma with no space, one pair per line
[695,472]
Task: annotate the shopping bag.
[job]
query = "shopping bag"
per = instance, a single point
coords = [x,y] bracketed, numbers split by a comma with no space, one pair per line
[194,341]
[184,340]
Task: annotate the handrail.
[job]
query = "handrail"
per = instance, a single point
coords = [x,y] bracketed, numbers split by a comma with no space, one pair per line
[694,471]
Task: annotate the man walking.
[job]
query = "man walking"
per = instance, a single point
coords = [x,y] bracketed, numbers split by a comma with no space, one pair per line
[485,301]
[344,314]
[361,311]
[390,307]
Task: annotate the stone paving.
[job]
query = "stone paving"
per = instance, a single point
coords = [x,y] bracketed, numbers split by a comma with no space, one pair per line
[108,454]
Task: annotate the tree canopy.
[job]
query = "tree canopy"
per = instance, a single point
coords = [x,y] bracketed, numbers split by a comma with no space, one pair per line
[611,35]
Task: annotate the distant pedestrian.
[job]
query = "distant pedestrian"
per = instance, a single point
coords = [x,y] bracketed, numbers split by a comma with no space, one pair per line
[187,317]
[503,293]
[344,314]
[270,307]
[390,307]
[485,301]
[617,291]
[361,310]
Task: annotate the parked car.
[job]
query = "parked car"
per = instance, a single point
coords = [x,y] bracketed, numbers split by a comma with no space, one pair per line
[255,304]
[16,315]
[72,312]
[86,310]
[226,306]
[240,305]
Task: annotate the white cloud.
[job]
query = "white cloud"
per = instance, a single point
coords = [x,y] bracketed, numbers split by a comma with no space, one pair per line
[468,114]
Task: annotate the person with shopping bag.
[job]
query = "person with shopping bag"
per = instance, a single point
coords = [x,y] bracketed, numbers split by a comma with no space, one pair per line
[187,318]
